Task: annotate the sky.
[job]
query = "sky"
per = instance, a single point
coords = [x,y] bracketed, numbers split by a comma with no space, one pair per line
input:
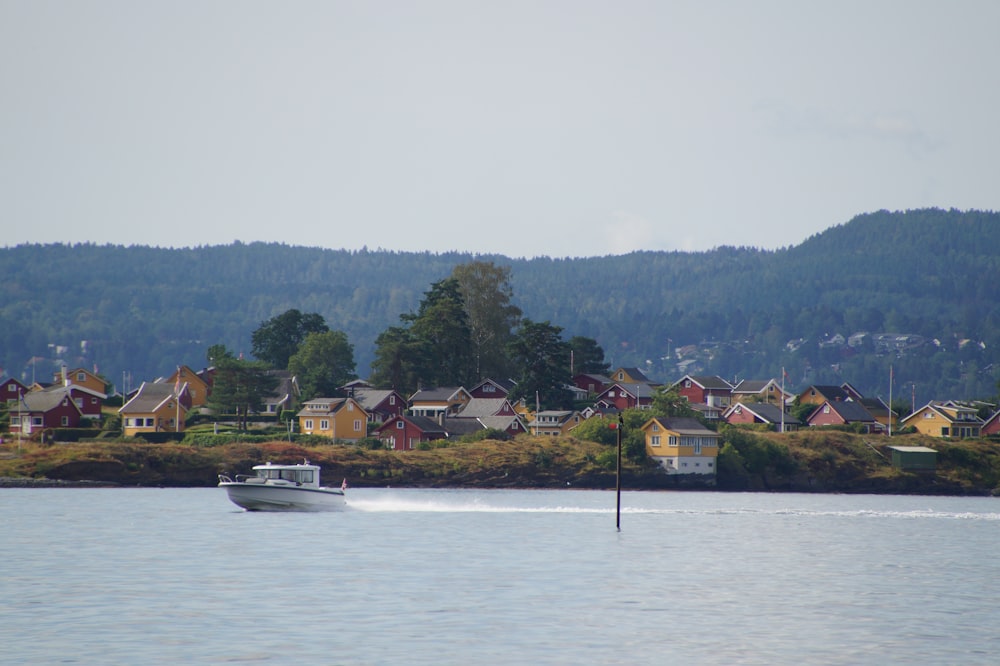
[568,128]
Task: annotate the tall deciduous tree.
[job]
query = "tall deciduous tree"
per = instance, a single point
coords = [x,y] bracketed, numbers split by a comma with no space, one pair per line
[240,387]
[487,294]
[276,339]
[543,358]
[323,363]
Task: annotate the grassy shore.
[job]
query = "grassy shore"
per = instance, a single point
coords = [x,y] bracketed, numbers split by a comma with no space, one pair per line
[806,461]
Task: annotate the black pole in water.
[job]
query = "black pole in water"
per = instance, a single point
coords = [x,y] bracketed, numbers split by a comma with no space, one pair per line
[618,475]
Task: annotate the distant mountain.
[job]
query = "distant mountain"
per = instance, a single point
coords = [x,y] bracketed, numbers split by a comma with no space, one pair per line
[737,312]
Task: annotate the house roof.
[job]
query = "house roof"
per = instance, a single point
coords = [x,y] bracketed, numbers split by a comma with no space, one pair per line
[482,407]
[831,393]
[370,398]
[47,400]
[505,385]
[320,406]
[850,411]
[423,423]
[765,412]
[707,382]
[150,397]
[949,412]
[441,393]
[681,425]
[634,373]
[751,385]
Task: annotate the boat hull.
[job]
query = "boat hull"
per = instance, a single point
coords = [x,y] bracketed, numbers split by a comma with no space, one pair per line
[263,497]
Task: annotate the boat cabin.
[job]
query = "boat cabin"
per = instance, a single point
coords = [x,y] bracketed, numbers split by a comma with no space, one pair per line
[305,475]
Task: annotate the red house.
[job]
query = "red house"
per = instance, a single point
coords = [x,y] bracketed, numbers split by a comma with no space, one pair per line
[493,388]
[381,405]
[41,410]
[11,391]
[713,390]
[847,412]
[592,384]
[627,396]
[992,425]
[405,432]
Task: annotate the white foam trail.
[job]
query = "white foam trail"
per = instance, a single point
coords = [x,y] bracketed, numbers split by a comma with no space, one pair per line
[396,504]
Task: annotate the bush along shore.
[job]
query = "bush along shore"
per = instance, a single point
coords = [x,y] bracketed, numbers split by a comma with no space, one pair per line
[805,461]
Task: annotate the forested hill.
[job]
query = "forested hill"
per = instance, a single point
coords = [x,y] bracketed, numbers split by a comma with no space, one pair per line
[928,274]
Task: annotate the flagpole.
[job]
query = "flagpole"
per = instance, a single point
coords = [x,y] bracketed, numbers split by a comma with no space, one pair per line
[782,399]
[890,400]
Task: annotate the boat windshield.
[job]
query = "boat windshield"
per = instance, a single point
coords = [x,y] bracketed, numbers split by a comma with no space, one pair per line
[294,475]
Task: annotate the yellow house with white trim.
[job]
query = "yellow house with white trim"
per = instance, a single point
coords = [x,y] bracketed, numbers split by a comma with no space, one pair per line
[337,418]
[681,445]
[938,419]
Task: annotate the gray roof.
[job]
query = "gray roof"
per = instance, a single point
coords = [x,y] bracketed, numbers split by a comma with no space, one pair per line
[149,397]
[439,393]
[44,401]
[482,407]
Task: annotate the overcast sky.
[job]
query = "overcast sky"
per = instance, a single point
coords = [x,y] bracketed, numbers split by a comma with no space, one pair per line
[570,128]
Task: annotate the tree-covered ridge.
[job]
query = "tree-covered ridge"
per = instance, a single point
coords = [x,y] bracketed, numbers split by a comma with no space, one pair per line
[930,273]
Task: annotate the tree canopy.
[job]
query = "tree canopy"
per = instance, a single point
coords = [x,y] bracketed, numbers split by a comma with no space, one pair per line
[278,338]
[323,363]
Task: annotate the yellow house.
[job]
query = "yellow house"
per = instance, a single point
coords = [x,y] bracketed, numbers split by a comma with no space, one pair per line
[938,419]
[81,377]
[553,422]
[155,407]
[197,386]
[630,376]
[336,418]
[681,445]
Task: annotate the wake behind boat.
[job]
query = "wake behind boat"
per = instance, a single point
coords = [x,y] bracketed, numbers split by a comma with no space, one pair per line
[283,488]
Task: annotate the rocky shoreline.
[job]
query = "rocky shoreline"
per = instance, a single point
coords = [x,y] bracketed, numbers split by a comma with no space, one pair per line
[22,482]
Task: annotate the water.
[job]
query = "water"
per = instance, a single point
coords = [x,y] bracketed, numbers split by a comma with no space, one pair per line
[166,576]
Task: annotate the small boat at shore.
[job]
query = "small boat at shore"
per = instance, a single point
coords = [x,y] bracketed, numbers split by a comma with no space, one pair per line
[283,488]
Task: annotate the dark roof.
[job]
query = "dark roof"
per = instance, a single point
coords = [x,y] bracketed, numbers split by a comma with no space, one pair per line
[426,424]
[707,382]
[850,411]
[685,425]
[832,393]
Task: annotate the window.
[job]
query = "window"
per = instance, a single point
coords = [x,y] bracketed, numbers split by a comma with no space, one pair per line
[11,388]
[672,441]
[400,425]
[944,432]
[654,440]
[357,425]
[65,421]
[687,383]
[697,446]
[78,402]
[489,388]
[150,422]
[308,424]
[656,427]
[81,376]
[324,424]
[928,415]
[392,400]
[350,406]
[826,409]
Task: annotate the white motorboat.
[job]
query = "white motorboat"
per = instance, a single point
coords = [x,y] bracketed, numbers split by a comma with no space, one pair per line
[283,488]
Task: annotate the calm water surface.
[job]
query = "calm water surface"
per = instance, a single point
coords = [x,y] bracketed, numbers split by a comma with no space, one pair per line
[167,576]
